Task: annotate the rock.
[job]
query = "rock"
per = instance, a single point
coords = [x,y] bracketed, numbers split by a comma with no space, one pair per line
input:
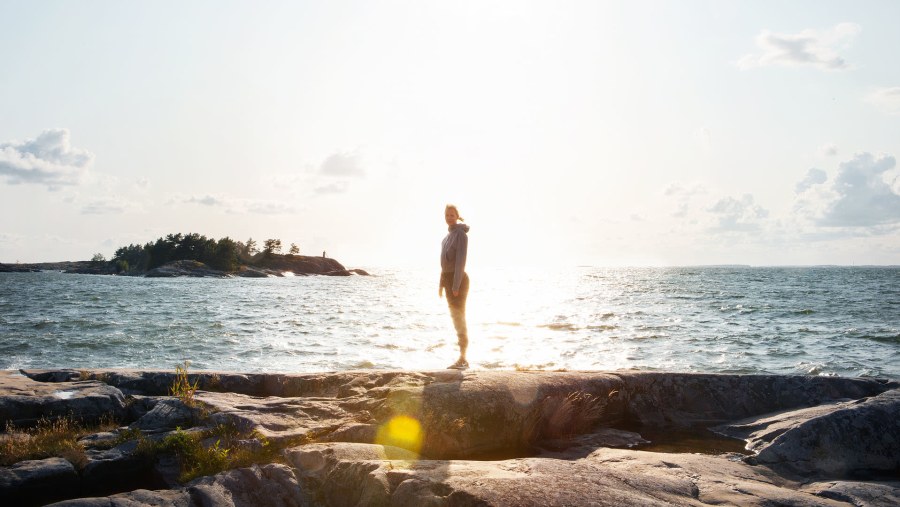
[300,264]
[258,486]
[167,414]
[158,383]
[67,375]
[278,419]
[358,271]
[16,268]
[250,272]
[136,498]
[870,494]
[35,481]
[114,470]
[583,445]
[329,465]
[24,401]
[503,438]
[857,439]
[608,477]
[184,268]
[697,399]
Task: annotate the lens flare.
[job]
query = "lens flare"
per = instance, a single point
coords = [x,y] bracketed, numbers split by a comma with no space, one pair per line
[401,431]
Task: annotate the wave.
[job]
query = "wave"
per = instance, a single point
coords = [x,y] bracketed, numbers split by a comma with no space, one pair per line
[560,326]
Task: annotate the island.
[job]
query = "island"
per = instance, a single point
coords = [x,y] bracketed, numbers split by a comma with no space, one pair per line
[468,438]
[195,255]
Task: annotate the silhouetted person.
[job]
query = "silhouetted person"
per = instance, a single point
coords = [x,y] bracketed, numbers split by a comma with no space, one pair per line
[454,278]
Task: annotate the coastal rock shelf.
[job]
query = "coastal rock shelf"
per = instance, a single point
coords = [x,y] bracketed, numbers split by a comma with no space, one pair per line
[452,438]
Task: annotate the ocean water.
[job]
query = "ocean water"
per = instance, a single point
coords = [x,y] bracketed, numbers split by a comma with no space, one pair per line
[806,320]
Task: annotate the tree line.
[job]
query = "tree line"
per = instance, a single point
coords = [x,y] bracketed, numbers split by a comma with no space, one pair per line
[224,254]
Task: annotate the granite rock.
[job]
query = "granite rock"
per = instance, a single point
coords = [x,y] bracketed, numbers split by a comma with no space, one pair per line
[24,401]
[499,438]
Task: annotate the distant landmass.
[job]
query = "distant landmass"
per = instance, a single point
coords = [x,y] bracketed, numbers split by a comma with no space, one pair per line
[196,255]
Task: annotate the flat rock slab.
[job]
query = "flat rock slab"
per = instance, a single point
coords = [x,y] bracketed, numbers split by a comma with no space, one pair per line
[850,439]
[609,477]
[258,486]
[24,401]
[274,417]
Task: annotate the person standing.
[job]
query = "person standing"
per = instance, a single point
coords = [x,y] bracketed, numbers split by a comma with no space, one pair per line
[454,278]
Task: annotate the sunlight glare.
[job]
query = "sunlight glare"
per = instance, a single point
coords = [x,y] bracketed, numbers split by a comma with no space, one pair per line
[401,431]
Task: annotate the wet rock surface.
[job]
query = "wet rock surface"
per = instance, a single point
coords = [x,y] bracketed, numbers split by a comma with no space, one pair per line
[463,438]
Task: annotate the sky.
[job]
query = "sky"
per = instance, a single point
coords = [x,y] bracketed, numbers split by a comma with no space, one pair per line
[598,133]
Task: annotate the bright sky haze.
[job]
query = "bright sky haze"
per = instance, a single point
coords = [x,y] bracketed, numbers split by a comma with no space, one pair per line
[594,132]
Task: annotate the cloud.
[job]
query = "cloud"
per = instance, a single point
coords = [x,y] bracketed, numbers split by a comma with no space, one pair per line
[267,207]
[737,214]
[240,205]
[861,196]
[49,160]
[886,99]
[828,150]
[343,164]
[807,48]
[338,187]
[683,197]
[206,200]
[105,206]
[813,177]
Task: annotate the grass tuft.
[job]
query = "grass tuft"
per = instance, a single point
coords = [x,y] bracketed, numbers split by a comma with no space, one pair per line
[232,449]
[182,388]
[557,416]
[48,438]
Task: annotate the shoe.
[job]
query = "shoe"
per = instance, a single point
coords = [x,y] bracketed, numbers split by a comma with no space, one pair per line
[459,365]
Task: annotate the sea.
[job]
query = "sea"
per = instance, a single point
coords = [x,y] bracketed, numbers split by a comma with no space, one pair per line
[836,321]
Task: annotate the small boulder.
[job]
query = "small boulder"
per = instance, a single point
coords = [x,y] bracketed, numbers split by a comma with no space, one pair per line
[167,414]
[258,486]
[854,440]
[38,481]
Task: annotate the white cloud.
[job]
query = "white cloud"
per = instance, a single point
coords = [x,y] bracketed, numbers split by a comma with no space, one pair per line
[206,200]
[684,197]
[49,159]
[343,164]
[105,206]
[807,48]
[268,207]
[828,150]
[813,177]
[862,198]
[337,187]
[886,99]
[241,205]
[737,214]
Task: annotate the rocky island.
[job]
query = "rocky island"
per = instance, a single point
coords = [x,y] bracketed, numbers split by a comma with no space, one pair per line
[195,255]
[448,438]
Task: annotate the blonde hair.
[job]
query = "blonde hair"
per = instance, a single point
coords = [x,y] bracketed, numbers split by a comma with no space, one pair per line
[454,208]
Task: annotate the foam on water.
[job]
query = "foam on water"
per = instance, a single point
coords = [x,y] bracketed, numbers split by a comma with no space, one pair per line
[823,321]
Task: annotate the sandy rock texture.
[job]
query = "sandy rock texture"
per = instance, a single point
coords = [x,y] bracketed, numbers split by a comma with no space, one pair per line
[469,438]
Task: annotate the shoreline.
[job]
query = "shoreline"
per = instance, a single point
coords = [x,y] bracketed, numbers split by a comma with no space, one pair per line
[492,437]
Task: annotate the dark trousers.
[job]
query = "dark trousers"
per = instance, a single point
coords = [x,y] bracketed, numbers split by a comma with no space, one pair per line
[457,305]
